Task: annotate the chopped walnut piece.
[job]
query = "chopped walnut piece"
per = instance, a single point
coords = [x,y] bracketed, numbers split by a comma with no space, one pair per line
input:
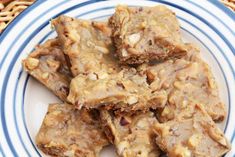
[180,151]
[45,75]
[194,140]
[134,38]
[132,100]
[32,63]
[53,64]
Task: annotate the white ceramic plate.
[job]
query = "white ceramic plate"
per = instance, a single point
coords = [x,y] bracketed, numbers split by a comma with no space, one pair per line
[24,101]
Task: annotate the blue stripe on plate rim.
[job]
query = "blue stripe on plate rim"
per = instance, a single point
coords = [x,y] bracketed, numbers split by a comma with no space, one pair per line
[227,11]
[219,19]
[41,27]
[1,152]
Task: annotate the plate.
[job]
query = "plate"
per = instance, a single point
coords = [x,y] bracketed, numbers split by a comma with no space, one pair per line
[24,101]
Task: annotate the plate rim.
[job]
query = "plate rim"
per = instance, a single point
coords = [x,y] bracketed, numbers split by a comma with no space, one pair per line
[36,3]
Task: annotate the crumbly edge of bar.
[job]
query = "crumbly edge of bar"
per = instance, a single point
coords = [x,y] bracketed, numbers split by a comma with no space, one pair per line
[32,62]
[61,149]
[121,102]
[66,29]
[162,130]
[175,49]
[122,141]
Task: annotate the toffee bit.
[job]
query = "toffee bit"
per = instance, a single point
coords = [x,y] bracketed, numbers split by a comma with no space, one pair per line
[124,121]
[64,89]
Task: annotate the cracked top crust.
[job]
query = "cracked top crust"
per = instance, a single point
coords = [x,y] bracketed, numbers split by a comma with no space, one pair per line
[143,34]
[67,132]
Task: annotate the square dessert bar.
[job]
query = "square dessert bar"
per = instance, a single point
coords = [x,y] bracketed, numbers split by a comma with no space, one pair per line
[132,136]
[66,131]
[48,65]
[126,91]
[186,81]
[143,34]
[191,133]
[87,44]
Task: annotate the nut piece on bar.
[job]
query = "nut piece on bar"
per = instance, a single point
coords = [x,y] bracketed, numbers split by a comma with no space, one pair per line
[191,133]
[131,135]
[125,91]
[143,34]
[87,44]
[66,131]
[186,80]
[48,65]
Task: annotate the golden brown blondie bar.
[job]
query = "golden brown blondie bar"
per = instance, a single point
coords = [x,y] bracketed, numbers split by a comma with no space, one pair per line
[48,65]
[132,135]
[186,80]
[67,132]
[87,44]
[126,91]
[191,134]
[143,34]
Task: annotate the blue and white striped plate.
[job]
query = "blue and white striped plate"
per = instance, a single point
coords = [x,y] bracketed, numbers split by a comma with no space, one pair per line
[24,101]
